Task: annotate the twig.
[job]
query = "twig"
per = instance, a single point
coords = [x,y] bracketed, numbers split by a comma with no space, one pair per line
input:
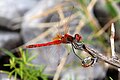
[49,11]
[112,43]
[114,62]
[112,40]
[80,25]
[91,5]
[100,32]
[61,65]
[88,14]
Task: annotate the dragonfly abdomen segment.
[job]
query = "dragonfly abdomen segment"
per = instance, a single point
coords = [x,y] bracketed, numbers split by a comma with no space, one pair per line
[56,42]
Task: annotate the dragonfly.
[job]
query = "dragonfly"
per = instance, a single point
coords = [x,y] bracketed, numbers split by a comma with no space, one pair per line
[75,42]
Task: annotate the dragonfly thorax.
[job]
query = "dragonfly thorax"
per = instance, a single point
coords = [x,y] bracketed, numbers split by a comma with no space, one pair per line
[67,38]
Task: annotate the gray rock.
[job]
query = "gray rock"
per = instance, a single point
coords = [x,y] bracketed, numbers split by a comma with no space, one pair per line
[11,12]
[9,40]
[101,13]
[4,76]
[80,73]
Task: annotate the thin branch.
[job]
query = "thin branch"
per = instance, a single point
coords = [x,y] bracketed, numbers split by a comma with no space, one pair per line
[111,61]
[112,43]
[61,65]
[80,25]
[47,12]
[100,32]
[91,5]
[112,40]
[61,15]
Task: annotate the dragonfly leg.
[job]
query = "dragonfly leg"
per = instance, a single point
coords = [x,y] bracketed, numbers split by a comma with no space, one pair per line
[78,46]
[86,50]
[95,59]
[75,52]
[89,61]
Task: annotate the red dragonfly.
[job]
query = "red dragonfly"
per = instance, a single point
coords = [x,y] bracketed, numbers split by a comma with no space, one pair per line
[65,39]
[75,42]
[68,39]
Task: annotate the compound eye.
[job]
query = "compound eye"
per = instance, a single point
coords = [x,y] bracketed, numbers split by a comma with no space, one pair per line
[78,37]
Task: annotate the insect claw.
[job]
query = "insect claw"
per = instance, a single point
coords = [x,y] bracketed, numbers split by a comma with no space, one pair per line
[95,59]
[89,61]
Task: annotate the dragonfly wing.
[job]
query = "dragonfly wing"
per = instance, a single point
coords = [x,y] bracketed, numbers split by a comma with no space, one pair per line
[49,56]
[55,54]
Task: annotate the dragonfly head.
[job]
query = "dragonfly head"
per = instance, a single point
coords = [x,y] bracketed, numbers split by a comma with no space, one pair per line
[77,37]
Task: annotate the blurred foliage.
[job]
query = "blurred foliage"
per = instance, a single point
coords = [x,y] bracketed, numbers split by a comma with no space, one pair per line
[111,8]
[23,67]
[110,78]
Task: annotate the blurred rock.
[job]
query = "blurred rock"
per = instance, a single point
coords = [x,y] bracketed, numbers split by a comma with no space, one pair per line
[9,40]
[11,12]
[101,13]
[4,76]
[113,73]
[79,73]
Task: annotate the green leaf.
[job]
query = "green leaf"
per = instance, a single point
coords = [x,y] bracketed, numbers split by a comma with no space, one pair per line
[21,70]
[110,78]
[6,65]
[11,73]
[81,1]
[32,57]
[15,77]
[26,70]
[7,52]
[27,55]
[23,55]
[6,72]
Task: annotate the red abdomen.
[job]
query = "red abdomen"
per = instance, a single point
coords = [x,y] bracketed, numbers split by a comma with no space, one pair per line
[56,42]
